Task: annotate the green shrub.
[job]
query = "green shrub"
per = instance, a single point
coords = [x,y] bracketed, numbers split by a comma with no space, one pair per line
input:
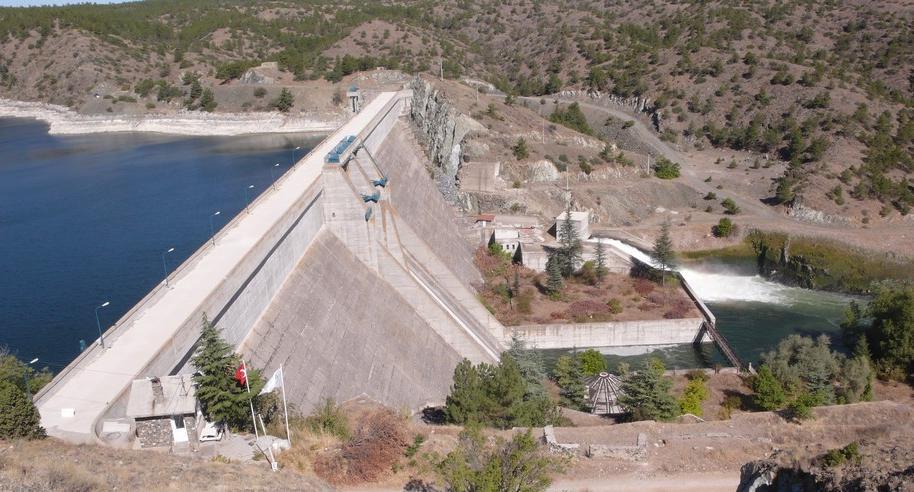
[260,92]
[615,306]
[19,419]
[666,169]
[519,149]
[329,418]
[724,228]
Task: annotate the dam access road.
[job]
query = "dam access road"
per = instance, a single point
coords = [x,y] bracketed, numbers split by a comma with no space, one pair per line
[71,405]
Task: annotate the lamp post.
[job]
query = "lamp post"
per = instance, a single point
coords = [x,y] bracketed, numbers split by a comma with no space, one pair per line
[273,174]
[296,149]
[165,265]
[212,228]
[101,337]
[247,198]
[25,374]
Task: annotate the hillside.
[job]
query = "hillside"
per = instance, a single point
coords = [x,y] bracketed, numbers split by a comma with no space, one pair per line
[825,87]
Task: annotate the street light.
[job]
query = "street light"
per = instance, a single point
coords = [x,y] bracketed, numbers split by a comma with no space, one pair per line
[98,323]
[293,154]
[212,228]
[247,198]
[165,265]
[25,374]
[273,174]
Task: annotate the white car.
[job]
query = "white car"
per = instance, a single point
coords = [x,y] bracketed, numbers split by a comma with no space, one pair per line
[212,431]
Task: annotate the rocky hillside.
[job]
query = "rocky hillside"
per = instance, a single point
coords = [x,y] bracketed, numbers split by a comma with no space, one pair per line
[870,465]
[824,86]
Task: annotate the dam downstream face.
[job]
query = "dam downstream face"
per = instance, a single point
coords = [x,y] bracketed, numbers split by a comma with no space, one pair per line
[85,219]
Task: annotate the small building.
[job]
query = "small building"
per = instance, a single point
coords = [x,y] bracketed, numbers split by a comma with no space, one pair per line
[603,391]
[165,410]
[355,99]
[508,239]
[580,221]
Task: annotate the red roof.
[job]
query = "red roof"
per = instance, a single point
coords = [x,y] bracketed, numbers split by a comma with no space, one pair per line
[485,217]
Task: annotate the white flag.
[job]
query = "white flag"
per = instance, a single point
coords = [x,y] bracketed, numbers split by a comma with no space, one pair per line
[273,382]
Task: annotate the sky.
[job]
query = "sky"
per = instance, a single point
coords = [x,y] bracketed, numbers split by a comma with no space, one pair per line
[29,3]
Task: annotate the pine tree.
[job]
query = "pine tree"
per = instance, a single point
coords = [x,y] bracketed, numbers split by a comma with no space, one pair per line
[570,378]
[466,399]
[554,274]
[570,251]
[646,394]
[19,419]
[531,364]
[769,393]
[196,90]
[284,101]
[208,101]
[663,254]
[601,261]
[222,397]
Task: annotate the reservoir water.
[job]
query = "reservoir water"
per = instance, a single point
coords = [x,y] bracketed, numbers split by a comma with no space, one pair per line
[86,219]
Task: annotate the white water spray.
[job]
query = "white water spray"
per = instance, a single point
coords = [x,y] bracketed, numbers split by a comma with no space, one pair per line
[720,287]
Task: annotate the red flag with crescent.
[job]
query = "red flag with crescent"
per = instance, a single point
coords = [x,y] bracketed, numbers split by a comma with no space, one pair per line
[241,374]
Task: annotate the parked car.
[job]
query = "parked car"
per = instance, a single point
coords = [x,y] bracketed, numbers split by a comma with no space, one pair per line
[212,431]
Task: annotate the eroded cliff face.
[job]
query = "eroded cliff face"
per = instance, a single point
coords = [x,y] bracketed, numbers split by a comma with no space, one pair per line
[885,465]
[442,130]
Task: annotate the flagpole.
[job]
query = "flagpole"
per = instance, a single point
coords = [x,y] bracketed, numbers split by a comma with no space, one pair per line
[285,408]
[250,398]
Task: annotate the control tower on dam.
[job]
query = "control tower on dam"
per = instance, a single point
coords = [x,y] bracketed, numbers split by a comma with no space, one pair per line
[352,274]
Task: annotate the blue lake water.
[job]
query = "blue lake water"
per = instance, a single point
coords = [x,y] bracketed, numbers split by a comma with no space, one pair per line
[85,219]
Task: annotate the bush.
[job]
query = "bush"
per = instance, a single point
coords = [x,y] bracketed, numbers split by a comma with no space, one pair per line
[696,391]
[284,101]
[328,418]
[519,149]
[730,207]
[801,407]
[615,306]
[19,419]
[260,92]
[592,362]
[513,465]
[724,228]
[837,457]
[666,169]
[376,445]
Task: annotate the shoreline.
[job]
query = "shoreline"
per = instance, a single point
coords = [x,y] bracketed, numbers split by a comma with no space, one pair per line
[64,121]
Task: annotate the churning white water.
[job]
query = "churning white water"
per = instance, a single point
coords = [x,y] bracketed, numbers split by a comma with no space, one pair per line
[722,286]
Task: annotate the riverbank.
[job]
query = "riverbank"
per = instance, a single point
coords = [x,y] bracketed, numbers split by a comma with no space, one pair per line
[811,263]
[64,121]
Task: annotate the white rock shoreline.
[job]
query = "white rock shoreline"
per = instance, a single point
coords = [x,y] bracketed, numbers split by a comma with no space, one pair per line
[64,121]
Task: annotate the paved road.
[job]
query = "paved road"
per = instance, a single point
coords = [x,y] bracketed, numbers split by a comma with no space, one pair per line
[97,379]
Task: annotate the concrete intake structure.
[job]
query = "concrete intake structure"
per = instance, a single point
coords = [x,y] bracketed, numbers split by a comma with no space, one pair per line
[351,297]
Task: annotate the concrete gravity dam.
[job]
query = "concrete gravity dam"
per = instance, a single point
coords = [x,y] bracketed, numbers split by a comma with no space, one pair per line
[352,275]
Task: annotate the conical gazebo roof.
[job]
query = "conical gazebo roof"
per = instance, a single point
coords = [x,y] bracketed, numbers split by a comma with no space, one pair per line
[603,392]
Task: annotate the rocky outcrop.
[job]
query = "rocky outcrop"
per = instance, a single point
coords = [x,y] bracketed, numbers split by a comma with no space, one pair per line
[442,130]
[884,465]
[544,170]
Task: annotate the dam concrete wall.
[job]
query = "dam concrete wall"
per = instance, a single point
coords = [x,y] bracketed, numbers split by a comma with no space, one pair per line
[420,204]
[340,331]
[610,334]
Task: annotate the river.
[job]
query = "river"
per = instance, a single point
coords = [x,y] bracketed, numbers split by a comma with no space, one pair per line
[86,219]
[753,313]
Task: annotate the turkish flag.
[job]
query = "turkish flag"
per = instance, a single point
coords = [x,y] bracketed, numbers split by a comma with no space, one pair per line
[241,374]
